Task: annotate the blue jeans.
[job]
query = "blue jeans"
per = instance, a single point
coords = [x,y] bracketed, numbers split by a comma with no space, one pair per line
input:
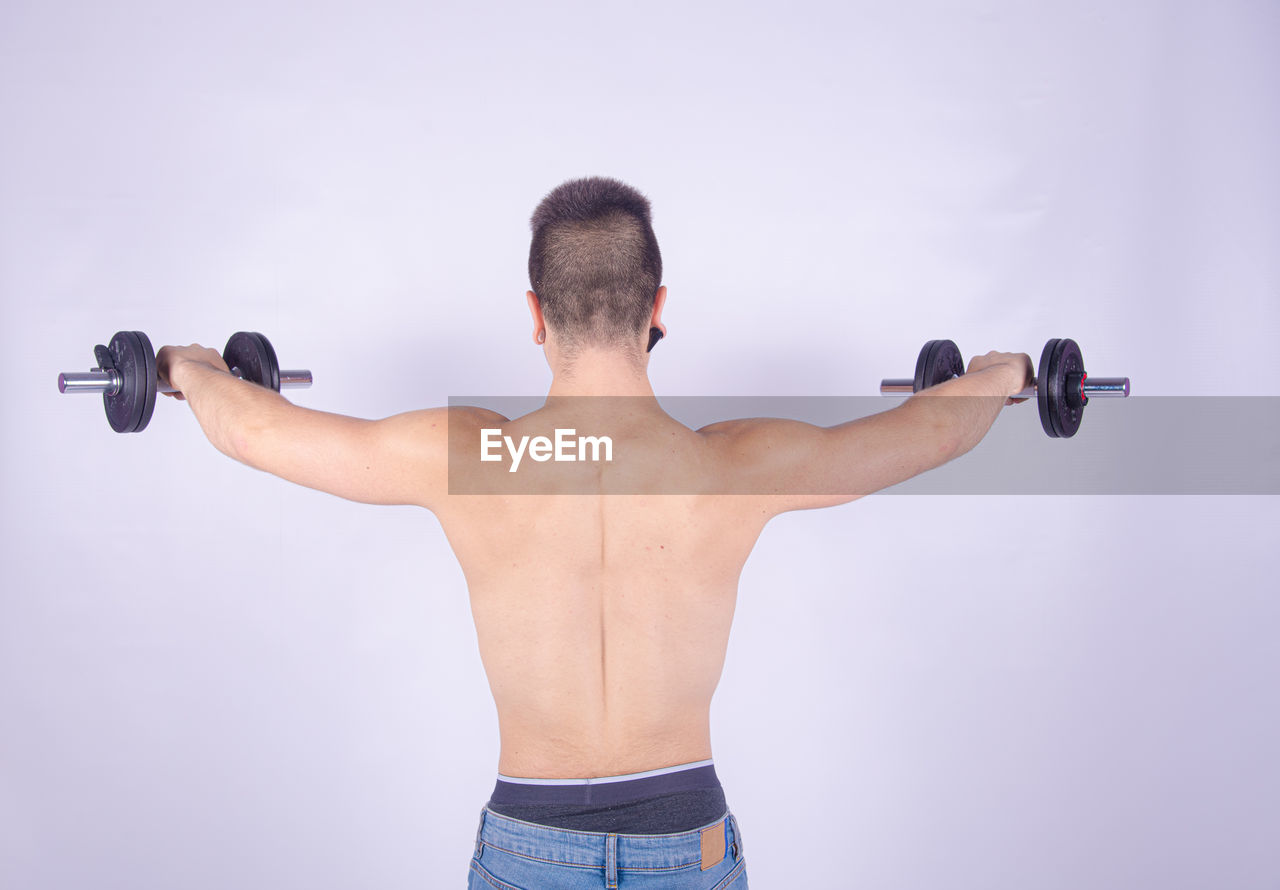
[511,854]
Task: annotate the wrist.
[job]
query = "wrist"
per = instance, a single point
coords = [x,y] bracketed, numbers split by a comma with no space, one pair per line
[1017,377]
[181,373]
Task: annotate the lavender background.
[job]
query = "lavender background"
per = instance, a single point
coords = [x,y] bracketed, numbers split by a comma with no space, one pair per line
[209,678]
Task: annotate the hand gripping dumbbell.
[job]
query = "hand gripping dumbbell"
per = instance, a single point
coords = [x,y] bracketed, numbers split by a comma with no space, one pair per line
[126,375]
[1061,388]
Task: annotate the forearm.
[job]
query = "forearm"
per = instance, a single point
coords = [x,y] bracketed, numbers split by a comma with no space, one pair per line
[967,406]
[230,411]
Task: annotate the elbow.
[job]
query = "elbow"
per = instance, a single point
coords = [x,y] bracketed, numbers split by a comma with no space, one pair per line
[948,447]
[947,441]
[951,445]
[244,443]
[237,446]
[947,431]
[943,441]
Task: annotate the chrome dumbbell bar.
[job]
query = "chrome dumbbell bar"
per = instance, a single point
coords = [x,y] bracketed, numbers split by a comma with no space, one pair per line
[1089,387]
[109,383]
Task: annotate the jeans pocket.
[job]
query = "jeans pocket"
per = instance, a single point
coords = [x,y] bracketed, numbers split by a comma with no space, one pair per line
[736,879]
[479,878]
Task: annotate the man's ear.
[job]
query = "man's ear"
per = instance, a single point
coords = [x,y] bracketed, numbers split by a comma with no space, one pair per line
[535,310]
[657,330]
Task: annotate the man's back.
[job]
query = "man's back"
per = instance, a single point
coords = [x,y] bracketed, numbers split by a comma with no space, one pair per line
[602,617]
[602,591]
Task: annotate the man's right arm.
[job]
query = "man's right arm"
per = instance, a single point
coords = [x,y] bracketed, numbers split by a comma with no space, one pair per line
[794,465]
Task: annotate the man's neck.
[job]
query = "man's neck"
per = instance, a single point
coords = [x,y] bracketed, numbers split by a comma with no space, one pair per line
[601,373]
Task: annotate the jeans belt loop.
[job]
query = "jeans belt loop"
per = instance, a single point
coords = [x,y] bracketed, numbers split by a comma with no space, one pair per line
[483,811]
[611,861]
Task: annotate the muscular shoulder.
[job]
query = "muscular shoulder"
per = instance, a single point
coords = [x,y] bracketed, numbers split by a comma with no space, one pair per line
[412,451]
[776,463]
[470,417]
[750,444]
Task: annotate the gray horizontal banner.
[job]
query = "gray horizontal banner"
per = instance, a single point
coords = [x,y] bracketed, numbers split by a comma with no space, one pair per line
[1184,445]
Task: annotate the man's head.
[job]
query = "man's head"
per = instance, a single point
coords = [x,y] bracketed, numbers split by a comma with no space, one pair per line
[594,264]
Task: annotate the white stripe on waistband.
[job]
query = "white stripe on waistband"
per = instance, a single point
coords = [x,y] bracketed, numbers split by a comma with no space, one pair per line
[601,780]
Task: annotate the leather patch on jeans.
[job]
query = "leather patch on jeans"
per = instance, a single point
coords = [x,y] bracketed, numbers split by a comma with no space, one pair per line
[712,845]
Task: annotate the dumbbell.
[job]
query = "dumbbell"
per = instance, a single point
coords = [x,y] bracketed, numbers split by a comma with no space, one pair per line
[126,375]
[1061,388]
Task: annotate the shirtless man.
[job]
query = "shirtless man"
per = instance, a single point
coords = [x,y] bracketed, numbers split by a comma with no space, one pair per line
[602,591]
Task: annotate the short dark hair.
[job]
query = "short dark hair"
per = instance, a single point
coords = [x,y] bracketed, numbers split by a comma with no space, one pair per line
[594,261]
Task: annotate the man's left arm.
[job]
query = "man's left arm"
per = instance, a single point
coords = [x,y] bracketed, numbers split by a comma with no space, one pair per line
[399,460]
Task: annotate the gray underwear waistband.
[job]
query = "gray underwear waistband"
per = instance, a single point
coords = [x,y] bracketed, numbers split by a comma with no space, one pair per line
[672,799]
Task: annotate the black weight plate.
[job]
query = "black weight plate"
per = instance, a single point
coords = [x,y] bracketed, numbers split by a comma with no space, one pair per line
[123,406]
[947,361]
[152,385]
[1059,359]
[939,360]
[1042,389]
[922,366]
[254,356]
[129,410]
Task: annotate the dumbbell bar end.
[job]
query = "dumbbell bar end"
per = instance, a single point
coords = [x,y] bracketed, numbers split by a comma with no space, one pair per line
[108,382]
[1093,387]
